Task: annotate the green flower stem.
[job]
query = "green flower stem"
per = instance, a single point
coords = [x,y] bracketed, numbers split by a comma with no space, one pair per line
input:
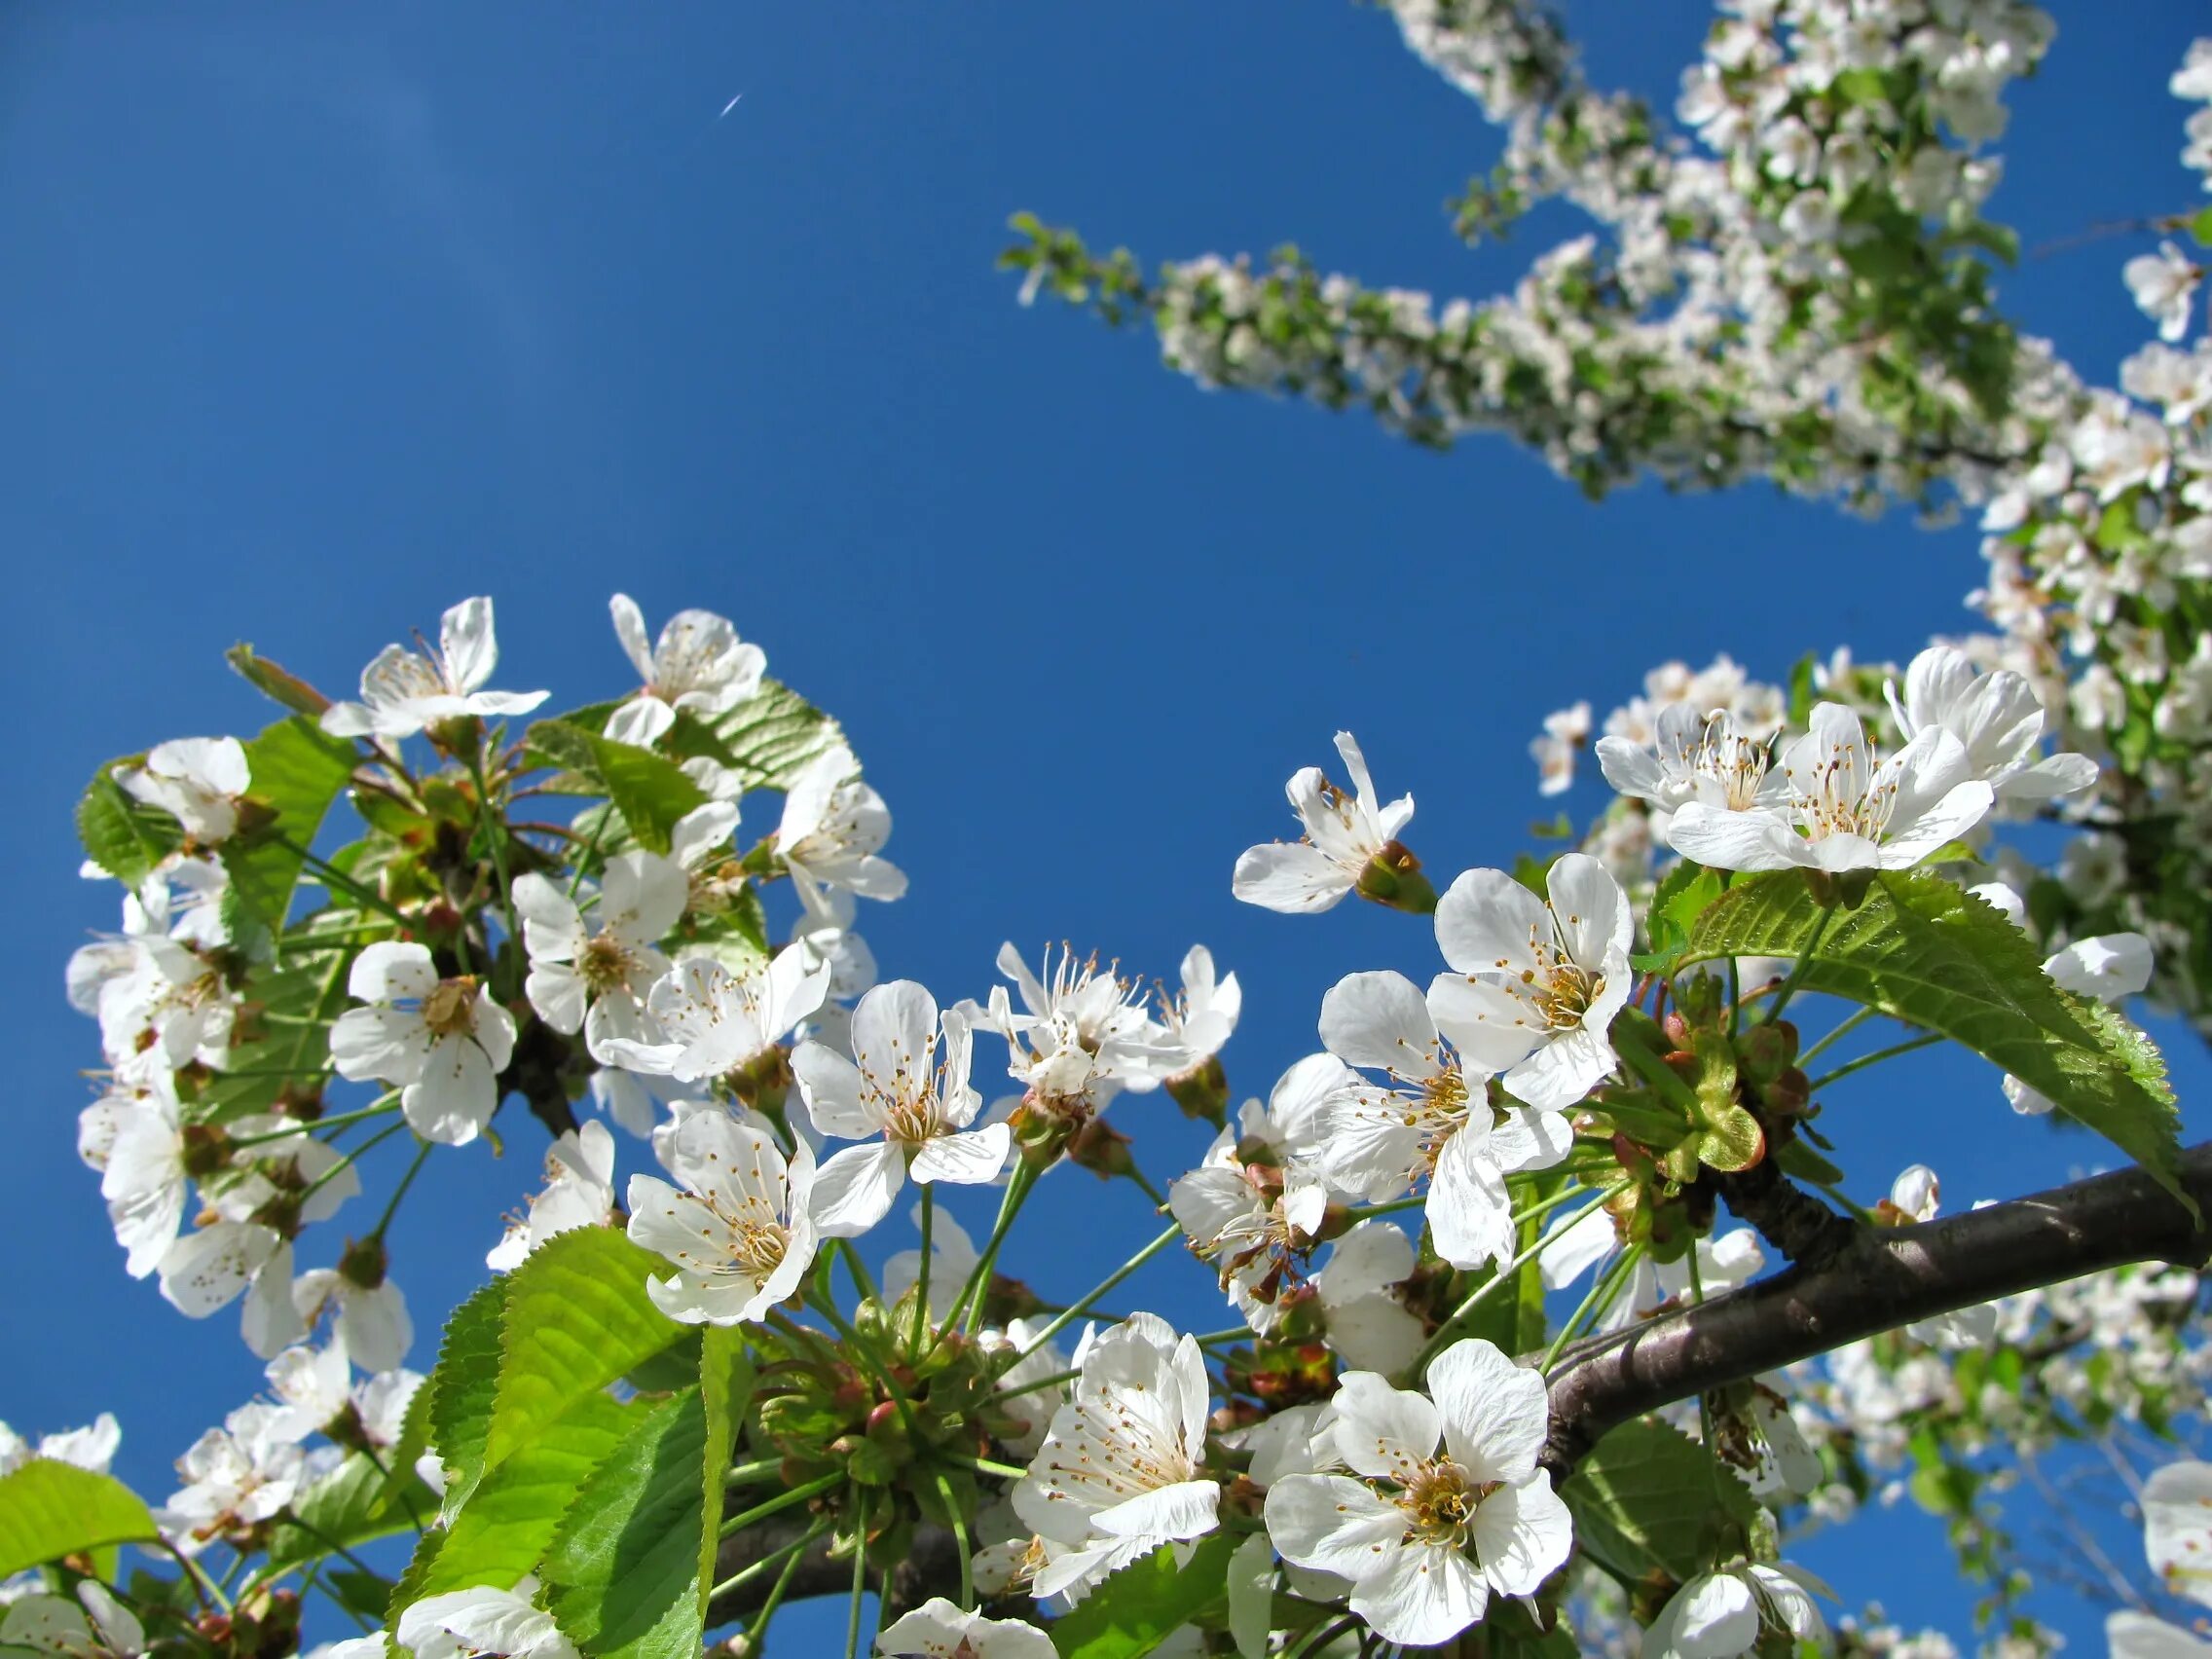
[347,1161]
[1321,1635]
[496,834]
[389,1102]
[862,1280]
[863,1350]
[1061,1319]
[1057,1378]
[1235,1334]
[796,1552]
[979,1278]
[781,1501]
[1144,1184]
[1797,968]
[853,1648]
[922,1278]
[422,1153]
[754,1570]
[1844,1027]
[1875,1058]
[1566,1196]
[985,1466]
[1505,1277]
[1601,1297]
[336,879]
[745,1474]
[959,1537]
[1368,1212]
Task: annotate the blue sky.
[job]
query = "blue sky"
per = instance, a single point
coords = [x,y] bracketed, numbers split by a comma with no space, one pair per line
[315,321]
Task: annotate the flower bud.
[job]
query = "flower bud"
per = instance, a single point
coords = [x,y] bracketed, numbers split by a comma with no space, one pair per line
[1393,877]
[364,1262]
[1202,1091]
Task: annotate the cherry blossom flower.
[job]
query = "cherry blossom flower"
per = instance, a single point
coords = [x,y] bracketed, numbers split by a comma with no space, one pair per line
[211,1267]
[897,1086]
[1573,1247]
[1196,1025]
[1846,809]
[1364,1317]
[740,1232]
[937,1629]
[833,828]
[94,1626]
[1344,835]
[315,1390]
[1082,1034]
[1378,1143]
[698,664]
[578,1192]
[482,1622]
[1916,1195]
[2164,287]
[196,781]
[592,976]
[1566,732]
[236,1476]
[1691,755]
[708,1020]
[371,1321]
[1122,1469]
[403,691]
[1720,1615]
[1538,981]
[1996,716]
[142,1174]
[443,1042]
[2130,1635]
[1253,1222]
[90,1447]
[1445,1505]
[2177,1527]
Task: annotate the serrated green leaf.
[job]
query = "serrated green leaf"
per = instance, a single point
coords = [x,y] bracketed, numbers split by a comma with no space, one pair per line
[1146,1602]
[725,1388]
[122,837]
[275,682]
[296,770]
[503,1529]
[1649,1496]
[649,790]
[771,736]
[622,1574]
[1925,951]
[462,1386]
[576,1319]
[1677,902]
[50,1509]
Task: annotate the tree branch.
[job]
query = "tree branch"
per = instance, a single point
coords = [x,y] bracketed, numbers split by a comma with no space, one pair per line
[1879,1279]
[930,1567]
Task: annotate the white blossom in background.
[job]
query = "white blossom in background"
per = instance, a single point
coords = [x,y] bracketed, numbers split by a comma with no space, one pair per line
[196,781]
[161,1007]
[1445,1505]
[1435,1124]
[236,1476]
[1252,1221]
[895,1087]
[93,1626]
[2177,1527]
[1360,1288]
[739,1232]
[1917,1195]
[833,832]
[698,664]
[578,1192]
[1846,808]
[142,1171]
[403,691]
[1722,1614]
[2108,967]
[1121,1471]
[1344,835]
[1574,1246]
[1688,755]
[90,1447]
[591,976]
[708,1020]
[1536,981]
[370,1321]
[1566,731]
[939,1629]
[2165,288]
[480,1623]
[1195,1025]
[212,1266]
[442,1041]
[1996,717]
[316,1394]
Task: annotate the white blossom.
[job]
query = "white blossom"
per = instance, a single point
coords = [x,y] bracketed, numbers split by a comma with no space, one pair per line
[834,829]
[403,691]
[2164,287]
[443,1042]
[481,1623]
[939,1629]
[1996,717]
[94,1626]
[245,1472]
[1344,835]
[578,1192]
[708,1020]
[196,781]
[698,664]
[1719,1615]
[739,1232]
[592,976]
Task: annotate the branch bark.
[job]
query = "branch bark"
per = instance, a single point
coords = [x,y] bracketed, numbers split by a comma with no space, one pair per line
[931,1567]
[1880,1279]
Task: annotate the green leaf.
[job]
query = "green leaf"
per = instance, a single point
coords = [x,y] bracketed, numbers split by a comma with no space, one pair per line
[503,1529]
[725,1388]
[462,1386]
[122,837]
[650,790]
[623,1573]
[2200,226]
[772,735]
[1146,1602]
[1649,1496]
[577,1317]
[351,1505]
[275,682]
[296,770]
[1924,950]
[50,1509]
[1677,902]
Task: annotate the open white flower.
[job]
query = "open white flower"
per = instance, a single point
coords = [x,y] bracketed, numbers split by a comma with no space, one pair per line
[591,977]
[1566,731]
[1571,1248]
[698,664]
[578,1192]
[1360,1288]
[1195,1025]
[1915,1196]
[90,1447]
[1996,716]
[1344,835]
[371,1321]
[1692,755]
[402,691]
[1255,1223]
[210,1267]
[143,1177]
[196,781]
[94,1626]
[2164,287]
[2177,1527]
[1445,1505]
[1845,808]
[482,1622]
[739,1232]
[711,1021]
[1538,981]
[1081,1034]
[895,1086]
[939,1629]
[1720,1615]
[1121,1468]
[444,1041]
[235,1476]
[1435,1124]
[833,828]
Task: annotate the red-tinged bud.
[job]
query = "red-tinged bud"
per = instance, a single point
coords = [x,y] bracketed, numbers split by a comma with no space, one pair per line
[1101,1149]
[1678,1030]
[1202,1091]
[1788,1094]
[881,1415]
[1393,877]
[1764,1052]
[364,1262]
[1336,1222]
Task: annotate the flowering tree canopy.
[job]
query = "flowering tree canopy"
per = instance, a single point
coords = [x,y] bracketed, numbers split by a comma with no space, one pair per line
[1499,1379]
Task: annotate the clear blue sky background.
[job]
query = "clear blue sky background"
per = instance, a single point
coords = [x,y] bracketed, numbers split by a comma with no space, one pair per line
[315,321]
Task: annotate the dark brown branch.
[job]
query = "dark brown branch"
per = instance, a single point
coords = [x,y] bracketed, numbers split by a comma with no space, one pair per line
[931,1567]
[1879,1279]
[1804,1230]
